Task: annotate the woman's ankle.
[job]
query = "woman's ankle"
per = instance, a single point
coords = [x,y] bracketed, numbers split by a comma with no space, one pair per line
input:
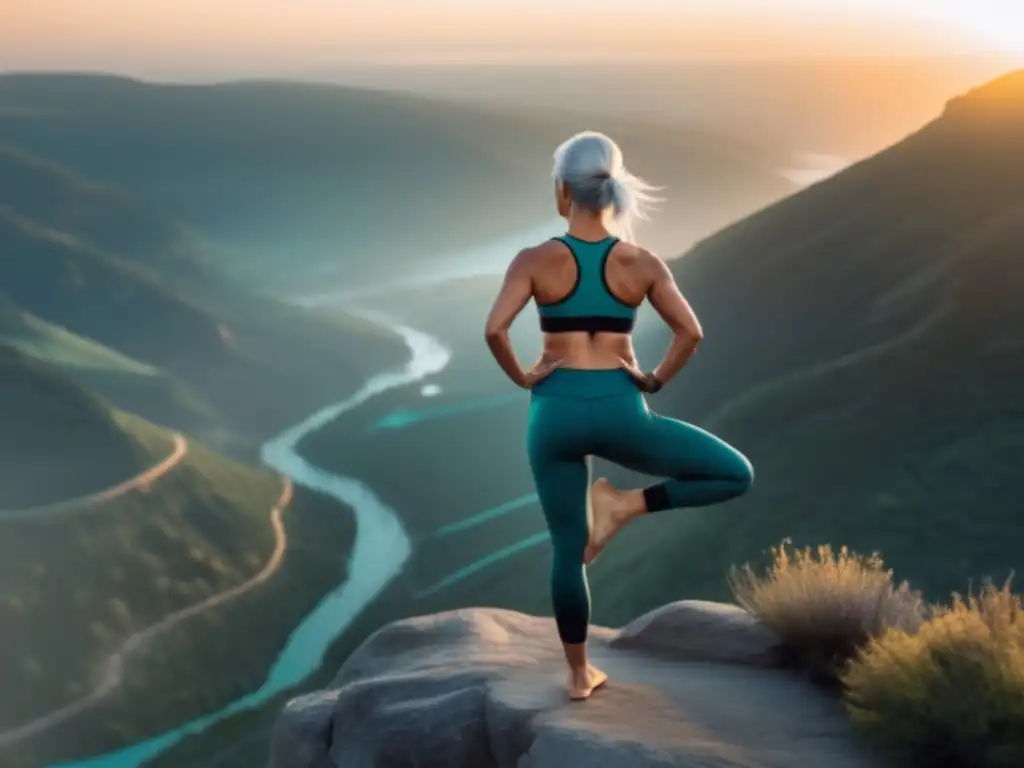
[636,502]
[576,656]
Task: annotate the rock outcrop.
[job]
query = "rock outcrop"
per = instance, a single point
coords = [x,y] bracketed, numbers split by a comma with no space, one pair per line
[691,684]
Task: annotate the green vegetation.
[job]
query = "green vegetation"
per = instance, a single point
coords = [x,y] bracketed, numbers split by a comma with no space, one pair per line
[825,606]
[58,346]
[937,685]
[116,301]
[951,695]
[107,218]
[861,350]
[84,576]
[59,441]
[87,578]
[108,285]
[201,665]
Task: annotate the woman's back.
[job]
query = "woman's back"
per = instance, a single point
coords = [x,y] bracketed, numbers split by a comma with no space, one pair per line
[587,292]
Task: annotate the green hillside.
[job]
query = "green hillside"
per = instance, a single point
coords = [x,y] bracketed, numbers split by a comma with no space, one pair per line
[86,580]
[864,348]
[116,301]
[83,573]
[295,176]
[87,563]
[134,386]
[94,275]
[56,345]
[59,440]
[106,218]
[131,558]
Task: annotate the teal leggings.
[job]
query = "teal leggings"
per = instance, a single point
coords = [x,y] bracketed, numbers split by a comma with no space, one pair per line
[577,413]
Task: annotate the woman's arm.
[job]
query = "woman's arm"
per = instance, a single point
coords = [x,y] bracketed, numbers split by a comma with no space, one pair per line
[678,315]
[515,292]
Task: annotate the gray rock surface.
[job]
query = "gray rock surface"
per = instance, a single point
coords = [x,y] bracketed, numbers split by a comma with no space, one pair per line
[690,686]
[696,630]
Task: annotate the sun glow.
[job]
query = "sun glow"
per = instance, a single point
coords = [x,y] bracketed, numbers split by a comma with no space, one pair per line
[998,22]
[233,38]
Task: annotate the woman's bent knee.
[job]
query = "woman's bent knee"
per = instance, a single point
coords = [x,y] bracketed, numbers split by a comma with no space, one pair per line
[741,473]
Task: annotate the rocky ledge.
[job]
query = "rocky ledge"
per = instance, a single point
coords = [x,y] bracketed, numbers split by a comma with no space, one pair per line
[691,684]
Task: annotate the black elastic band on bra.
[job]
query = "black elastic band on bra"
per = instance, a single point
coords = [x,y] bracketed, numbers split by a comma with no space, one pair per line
[588,324]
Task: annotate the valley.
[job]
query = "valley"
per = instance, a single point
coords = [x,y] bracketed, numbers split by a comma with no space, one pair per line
[322,461]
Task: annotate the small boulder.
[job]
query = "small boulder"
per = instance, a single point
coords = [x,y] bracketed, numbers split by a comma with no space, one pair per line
[697,630]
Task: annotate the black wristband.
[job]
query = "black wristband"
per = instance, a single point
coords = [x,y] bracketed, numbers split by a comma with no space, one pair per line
[654,384]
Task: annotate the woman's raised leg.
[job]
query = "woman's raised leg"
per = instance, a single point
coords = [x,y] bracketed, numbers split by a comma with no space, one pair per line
[700,470]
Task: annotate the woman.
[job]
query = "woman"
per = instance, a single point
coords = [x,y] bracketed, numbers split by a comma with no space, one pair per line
[587,388]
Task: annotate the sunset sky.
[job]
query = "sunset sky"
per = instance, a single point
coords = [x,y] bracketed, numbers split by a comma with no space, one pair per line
[264,37]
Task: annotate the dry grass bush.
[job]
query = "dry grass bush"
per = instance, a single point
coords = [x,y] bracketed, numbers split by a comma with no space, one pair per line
[826,605]
[950,695]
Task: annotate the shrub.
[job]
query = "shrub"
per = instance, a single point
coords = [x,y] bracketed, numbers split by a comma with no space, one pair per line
[825,606]
[951,695]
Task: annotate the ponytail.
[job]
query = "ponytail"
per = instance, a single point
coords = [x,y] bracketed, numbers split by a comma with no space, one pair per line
[590,165]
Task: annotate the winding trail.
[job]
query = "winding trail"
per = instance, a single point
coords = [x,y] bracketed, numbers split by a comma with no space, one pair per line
[79,503]
[113,674]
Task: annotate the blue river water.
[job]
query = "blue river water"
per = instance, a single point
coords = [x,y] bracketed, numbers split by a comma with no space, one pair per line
[405,417]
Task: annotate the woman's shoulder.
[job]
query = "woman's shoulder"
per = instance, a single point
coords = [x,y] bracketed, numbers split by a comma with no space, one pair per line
[634,252]
[533,258]
[541,251]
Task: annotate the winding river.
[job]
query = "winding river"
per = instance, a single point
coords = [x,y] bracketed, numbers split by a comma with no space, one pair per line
[380,550]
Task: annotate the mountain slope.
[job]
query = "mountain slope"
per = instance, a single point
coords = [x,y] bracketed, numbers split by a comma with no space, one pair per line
[110,526]
[81,575]
[864,348]
[63,279]
[58,440]
[297,175]
[58,346]
[133,385]
[108,266]
[106,218]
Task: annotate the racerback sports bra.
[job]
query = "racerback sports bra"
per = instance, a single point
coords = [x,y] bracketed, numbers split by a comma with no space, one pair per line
[590,306]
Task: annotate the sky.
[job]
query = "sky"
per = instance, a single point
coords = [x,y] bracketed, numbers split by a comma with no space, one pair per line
[196,38]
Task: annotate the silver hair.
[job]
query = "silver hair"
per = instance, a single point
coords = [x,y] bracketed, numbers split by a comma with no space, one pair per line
[590,165]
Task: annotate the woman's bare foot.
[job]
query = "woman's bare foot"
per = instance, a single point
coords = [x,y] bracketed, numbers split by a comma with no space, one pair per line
[585,681]
[612,509]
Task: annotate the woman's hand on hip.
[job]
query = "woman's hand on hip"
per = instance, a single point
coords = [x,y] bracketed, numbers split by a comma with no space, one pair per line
[647,382]
[539,371]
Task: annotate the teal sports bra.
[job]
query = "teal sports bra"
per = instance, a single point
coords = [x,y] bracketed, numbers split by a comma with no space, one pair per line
[590,306]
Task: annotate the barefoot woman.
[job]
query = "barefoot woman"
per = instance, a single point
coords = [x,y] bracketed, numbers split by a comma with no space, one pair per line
[587,388]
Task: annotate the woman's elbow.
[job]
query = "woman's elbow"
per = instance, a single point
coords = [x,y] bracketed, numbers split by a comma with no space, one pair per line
[494,332]
[691,334]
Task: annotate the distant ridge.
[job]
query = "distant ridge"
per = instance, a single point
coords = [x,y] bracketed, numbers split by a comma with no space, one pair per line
[288,174]
[1003,96]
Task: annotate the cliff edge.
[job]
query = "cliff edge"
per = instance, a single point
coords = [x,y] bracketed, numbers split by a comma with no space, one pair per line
[691,684]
